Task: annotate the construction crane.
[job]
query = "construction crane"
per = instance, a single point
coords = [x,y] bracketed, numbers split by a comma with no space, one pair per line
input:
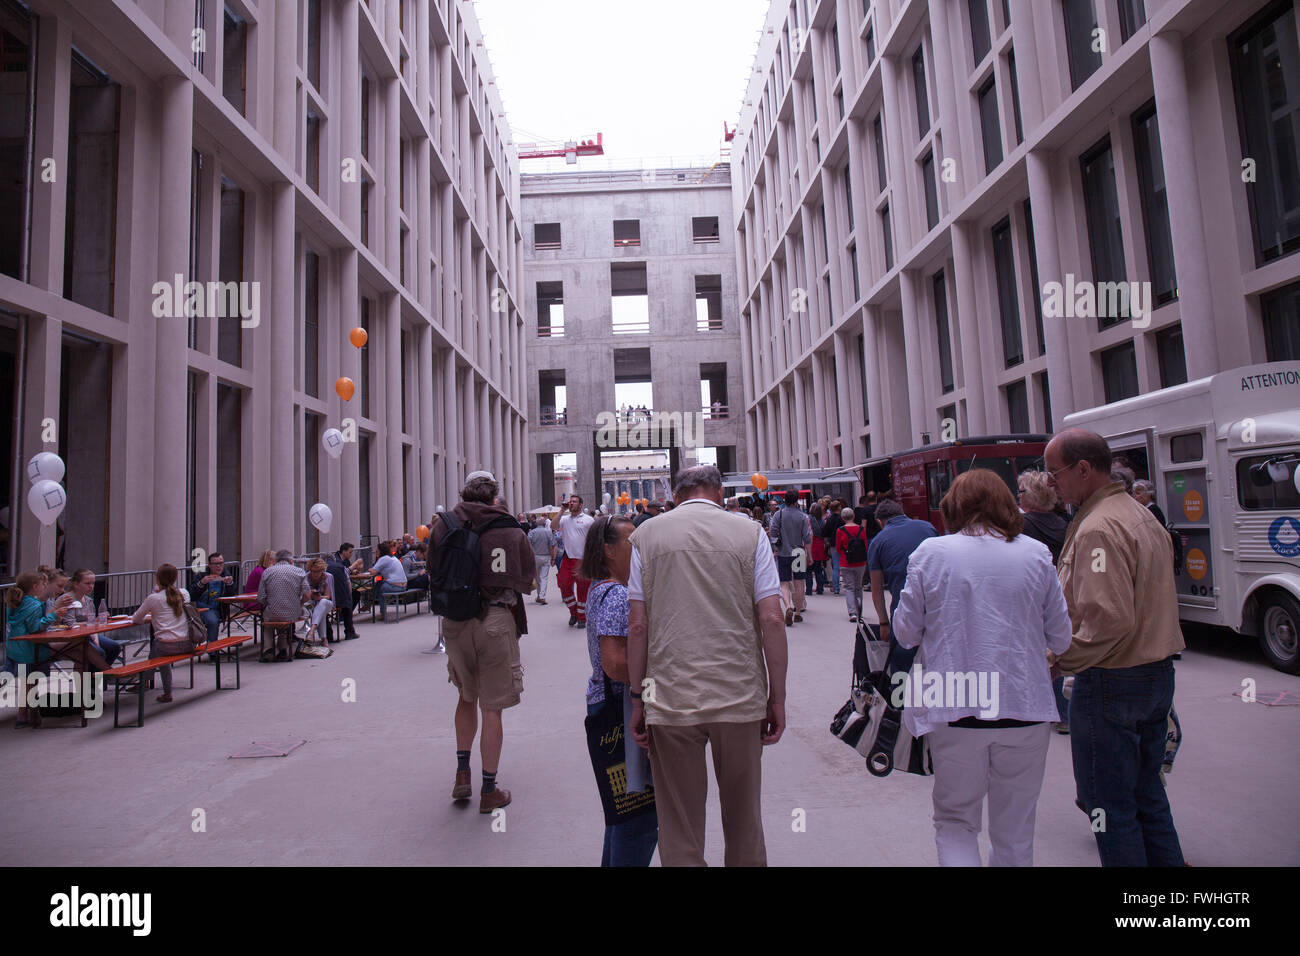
[569,149]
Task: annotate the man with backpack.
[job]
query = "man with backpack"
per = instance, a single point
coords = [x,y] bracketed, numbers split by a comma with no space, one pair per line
[480,566]
[887,558]
[792,533]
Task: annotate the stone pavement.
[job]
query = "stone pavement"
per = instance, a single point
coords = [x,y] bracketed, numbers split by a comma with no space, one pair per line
[372,784]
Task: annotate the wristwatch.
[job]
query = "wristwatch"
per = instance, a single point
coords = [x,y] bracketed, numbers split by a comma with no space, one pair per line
[634,695]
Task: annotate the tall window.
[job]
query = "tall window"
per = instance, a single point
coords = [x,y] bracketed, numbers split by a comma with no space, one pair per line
[1004,269]
[92,187]
[1281,313]
[1119,372]
[931,191]
[365,359]
[1033,278]
[918,86]
[945,338]
[311,325]
[990,128]
[365,116]
[1169,352]
[853,265]
[1155,204]
[848,195]
[878,135]
[979,29]
[1265,67]
[1105,239]
[835,46]
[16,111]
[231,270]
[888,237]
[313,42]
[1080,24]
[1015,96]
[233,59]
[1018,407]
[1132,14]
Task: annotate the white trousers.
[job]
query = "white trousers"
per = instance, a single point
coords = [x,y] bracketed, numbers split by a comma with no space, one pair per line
[1007,765]
[318,615]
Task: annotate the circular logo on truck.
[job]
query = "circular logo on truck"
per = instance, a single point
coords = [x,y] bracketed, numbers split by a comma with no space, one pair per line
[1284,536]
[1193,505]
[1195,564]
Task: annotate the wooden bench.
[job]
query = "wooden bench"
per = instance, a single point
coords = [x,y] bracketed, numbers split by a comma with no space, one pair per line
[133,674]
[399,600]
[272,627]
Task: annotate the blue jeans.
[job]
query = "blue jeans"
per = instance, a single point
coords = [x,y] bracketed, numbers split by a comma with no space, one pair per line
[386,589]
[1062,703]
[111,648]
[1117,737]
[835,570]
[631,843]
[213,620]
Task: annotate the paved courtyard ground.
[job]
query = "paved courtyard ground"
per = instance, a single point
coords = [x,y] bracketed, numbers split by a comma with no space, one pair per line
[372,783]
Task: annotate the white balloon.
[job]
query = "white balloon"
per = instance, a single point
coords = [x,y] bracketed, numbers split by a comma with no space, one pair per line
[45,465]
[606,498]
[332,439]
[440,509]
[47,499]
[321,517]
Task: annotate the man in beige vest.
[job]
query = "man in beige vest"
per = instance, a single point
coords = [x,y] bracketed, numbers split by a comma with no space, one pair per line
[707,661]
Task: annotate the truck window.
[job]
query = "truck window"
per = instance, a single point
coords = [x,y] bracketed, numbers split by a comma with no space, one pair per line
[938,479]
[1276,495]
[1003,466]
[1187,447]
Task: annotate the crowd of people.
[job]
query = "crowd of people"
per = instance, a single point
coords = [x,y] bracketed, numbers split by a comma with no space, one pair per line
[686,606]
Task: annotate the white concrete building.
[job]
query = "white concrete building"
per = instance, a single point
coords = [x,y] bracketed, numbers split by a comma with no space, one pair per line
[347,162]
[912,177]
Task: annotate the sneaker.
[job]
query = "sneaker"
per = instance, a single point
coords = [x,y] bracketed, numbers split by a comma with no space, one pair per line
[352,637]
[495,800]
[1061,727]
[789,617]
[573,619]
[798,617]
[462,790]
[853,619]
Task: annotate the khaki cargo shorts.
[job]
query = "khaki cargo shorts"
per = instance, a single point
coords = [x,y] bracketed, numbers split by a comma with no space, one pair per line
[483,659]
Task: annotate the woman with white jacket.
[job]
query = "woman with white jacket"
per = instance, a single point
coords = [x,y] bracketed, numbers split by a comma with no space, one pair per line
[985,606]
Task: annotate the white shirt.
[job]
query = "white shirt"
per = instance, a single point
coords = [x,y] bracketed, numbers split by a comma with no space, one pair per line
[390,569]
[573,532]
[766,580]
[167,625]
[977,604]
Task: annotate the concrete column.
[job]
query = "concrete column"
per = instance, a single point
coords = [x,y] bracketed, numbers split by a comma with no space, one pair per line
[799,433]
[50,138]
[955,123]
[974,379]
[871,363]
[392,441]
[347,509]
[421,211]
[1028,80]
[424,426]
[172,356]
[1038,167]
[1186,226]
[447,263]
[446,130]
[470,423]
[484,314]
[278,477]
[349,104]
[390,148]
[916,404]
[842,391]
[485,452]
[466,337]
[450,429]
[896,149]
[820,408]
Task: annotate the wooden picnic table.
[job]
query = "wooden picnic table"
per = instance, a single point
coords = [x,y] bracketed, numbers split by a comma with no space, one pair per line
[77,644]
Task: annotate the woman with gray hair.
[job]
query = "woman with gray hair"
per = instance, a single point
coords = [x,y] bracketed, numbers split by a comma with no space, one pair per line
[1144,493]
[851,545]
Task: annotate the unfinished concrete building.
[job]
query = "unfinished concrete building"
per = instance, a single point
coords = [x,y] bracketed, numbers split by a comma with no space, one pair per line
[629,291]
[335,163]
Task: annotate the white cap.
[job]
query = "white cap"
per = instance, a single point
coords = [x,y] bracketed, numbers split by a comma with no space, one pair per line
[479,474]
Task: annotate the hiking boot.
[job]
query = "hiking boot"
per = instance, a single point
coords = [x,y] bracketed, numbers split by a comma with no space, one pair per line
[498,798]
[789,616]
[462,790]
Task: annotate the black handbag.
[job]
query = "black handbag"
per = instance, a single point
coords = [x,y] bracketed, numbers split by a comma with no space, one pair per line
[606,741]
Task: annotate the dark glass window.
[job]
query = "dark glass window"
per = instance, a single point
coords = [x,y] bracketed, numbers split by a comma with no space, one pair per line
[1281,313]
[1105,240]
[871,47]
[311,325]
[1004,269]
[313,42]
[878,134]
[1018,407]
[1045,393]
[365,359]
[1189,446]
[918,85]
[835,47]
[979,29]
[1155,205]
[990,128]
[853,264]
[1169,351]
[233,60]
[1015,97]
[1132,14]
[945,339]
[931,191]
[848,195]
[90,220]
[1119,372]
[1274,496]
[1080,22]
[1266,77]
[889,238]
[230,268]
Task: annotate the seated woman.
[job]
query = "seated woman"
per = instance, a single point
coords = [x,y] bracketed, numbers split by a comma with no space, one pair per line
[255,578]
[25,614]
[82,586]
[165,608]
[321,597]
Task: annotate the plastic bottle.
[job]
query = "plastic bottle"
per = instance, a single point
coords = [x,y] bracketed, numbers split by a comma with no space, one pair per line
[102,617]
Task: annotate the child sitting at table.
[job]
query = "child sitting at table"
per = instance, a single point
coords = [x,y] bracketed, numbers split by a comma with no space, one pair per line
[165,608]
[25,614]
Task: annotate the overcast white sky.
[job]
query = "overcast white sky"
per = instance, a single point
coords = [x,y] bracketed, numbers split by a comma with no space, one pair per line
[657,78]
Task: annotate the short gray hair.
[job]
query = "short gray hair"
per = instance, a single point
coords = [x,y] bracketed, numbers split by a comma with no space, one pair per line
[284,554]
[887,509]
[698,476]
[1147,487]
[1120,473]
[847,515]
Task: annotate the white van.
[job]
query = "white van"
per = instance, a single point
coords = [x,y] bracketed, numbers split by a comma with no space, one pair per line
[1223,453]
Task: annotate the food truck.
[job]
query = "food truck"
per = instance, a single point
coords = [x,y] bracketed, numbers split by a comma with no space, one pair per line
[1223,454]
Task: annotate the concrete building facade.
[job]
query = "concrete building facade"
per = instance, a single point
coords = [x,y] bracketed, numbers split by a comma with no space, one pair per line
[338,164]
[934,198]
[629,290]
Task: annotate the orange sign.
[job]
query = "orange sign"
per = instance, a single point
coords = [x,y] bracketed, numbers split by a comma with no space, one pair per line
[1195,564]
[1193,505]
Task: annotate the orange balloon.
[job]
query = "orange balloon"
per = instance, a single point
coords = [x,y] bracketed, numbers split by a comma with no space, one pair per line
[345,387]
[358,336]
[422,532]
[758,481]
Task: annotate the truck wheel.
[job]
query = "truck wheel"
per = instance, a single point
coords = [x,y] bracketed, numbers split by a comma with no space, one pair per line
[1279,630]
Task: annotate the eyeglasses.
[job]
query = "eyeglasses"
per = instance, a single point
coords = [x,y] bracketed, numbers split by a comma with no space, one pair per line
[1051,475]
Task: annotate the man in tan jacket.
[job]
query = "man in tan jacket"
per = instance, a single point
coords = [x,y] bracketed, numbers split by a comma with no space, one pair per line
[1116,568]
[706,654]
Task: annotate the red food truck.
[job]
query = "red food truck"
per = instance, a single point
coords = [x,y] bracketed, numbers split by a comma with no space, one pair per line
[921,476]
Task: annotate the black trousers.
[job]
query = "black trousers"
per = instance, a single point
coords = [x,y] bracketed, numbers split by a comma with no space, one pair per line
[345,615]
